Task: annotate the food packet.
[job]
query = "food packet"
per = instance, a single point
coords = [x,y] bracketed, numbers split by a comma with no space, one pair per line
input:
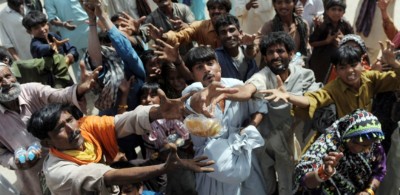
[202,126]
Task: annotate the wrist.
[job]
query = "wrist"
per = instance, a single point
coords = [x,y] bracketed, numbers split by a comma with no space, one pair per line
[64,24]
[370,191]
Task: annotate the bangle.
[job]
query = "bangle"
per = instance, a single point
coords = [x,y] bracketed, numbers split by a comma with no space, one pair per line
[122,106]
[370,191]
[322,174]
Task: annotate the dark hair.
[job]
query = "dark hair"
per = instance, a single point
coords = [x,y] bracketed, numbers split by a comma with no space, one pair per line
[198,55]
[116,16]
[275,38]
[294,1]
[14,4]
[225,20]
[331,3]
[46,119]
[5,55]
[226,3]
[104,38]
[346,54]
[33,18]
[147,55]
[148,87]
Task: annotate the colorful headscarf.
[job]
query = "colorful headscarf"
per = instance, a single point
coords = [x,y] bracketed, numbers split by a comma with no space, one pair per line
[357,39]
[361,125]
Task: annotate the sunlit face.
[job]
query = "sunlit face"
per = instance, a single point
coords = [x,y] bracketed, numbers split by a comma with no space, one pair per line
[215,10]
[350,74]
[356,147]
[40,31]
[66,135]
[229,36]
[176,81]
[335,13]
[122,27]
[207,72]
[284,7]
[9,87]
[149,98]
[277,58]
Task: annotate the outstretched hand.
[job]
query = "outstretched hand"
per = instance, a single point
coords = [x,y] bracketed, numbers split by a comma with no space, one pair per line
[88,79]
[197,164]
[167,52]
[130,23]
[205,101]
[57,43]
[277,94]
[171,108]
[389,54]
[154,32]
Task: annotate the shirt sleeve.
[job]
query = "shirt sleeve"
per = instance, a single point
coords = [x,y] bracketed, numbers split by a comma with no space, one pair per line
[64,177]
[183,36]
[136,121]
[317,99]
[39,49]
[125,50]
[4,39]
[50,10]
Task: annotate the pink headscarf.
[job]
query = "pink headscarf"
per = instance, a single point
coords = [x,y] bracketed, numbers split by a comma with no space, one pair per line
[396,40]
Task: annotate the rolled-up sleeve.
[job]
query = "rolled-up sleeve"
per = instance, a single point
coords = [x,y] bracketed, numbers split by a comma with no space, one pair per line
[133,122]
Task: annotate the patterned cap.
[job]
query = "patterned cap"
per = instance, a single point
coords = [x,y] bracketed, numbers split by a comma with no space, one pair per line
[355,38]
[363,125]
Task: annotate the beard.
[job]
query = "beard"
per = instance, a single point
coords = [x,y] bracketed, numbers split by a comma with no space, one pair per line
[278,69]
[11,94]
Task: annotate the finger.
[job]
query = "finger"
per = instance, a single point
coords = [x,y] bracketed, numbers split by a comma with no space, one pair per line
[126,15]
[186,97]
[389,45]
[207,169]
[200,158]
[381,45]
[96,72]
[205,163]
[161,43]
[227,90]
[142,19]
[279,81]
[163,97]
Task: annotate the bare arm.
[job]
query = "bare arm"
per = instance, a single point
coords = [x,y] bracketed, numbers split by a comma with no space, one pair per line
[13,53]
[132,175]
[245,92]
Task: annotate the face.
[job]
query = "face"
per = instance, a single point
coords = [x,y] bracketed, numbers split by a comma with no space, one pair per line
[215,10]
[163,3]
[66,135]
[153,68]
[40,31]
[356,147]
[278,58]
[335,13]
[176,81]
[130,189]
[207,72]
[149,98]
[284,7]
[123,28]
[9,87]
[229,36]
[350,74]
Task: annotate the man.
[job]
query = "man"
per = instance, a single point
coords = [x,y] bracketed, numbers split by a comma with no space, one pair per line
[275,157]
[17,103]
[232,56]
[171,16]
[75,163]
[238,121]
[309,9]
[12,33]
[202,32]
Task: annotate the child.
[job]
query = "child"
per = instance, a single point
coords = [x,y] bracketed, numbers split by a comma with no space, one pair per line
[326,37]
[174,82]
[45,43]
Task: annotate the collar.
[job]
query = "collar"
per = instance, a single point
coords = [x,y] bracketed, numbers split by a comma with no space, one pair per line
[21,102]
[343,86]
[210,26]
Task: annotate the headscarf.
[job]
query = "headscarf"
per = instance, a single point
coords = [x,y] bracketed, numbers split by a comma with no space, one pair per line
[360,124]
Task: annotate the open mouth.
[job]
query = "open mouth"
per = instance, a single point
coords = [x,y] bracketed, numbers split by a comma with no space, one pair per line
[208,77]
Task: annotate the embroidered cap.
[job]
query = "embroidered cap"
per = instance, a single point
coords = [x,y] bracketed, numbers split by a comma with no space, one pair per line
[363,125]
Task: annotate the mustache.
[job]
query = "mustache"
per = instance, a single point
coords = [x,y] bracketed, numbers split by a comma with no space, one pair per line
[206,76]
[73,135]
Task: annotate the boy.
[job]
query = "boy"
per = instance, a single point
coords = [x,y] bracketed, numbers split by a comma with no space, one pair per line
[353,88]
[45,43]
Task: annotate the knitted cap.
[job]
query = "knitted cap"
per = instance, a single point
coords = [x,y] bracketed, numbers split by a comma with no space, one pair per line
[363,125]
[357,39]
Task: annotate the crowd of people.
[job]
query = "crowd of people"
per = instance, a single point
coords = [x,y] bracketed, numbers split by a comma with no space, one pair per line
[208,97]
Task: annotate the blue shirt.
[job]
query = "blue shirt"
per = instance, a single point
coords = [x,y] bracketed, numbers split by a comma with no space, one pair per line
[40,48]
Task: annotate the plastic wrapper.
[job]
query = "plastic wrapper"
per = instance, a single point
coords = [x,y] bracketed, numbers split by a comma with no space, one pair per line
[167,131]
[202,126]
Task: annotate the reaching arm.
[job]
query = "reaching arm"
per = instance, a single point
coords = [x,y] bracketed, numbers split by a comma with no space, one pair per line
[245,92]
